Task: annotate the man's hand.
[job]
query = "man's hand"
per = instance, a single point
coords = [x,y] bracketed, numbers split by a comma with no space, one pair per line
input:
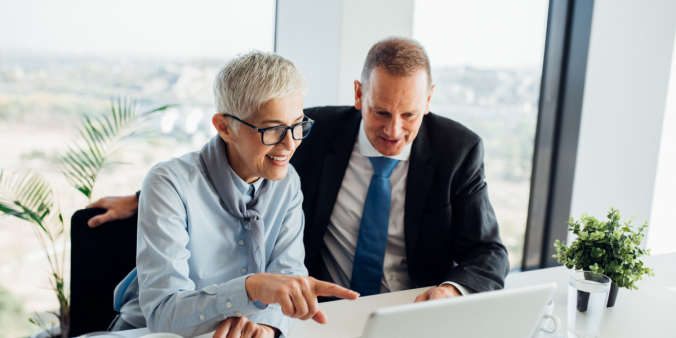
[439,292]
[296,295]
[116,208]
[241,327]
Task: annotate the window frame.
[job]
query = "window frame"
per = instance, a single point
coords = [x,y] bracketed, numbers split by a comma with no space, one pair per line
[558,127]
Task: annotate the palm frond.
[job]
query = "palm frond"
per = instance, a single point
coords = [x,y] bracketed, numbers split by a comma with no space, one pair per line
[82,162]
[27,196]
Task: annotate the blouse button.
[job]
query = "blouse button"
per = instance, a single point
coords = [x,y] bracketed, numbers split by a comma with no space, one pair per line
[228,305]
[243,270]
[201,317]
[238,313]
[241,242]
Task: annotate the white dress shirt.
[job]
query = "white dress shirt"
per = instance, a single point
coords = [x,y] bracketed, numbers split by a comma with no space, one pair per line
[343,229]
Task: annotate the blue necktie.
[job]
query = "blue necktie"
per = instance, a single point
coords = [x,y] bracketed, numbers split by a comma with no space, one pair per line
[367,270]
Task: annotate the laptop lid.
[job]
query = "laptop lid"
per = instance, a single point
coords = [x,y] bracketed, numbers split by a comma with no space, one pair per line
[511,313]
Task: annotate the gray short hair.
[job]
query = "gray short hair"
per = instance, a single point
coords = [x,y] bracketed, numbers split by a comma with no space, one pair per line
[399,56]
[252,79]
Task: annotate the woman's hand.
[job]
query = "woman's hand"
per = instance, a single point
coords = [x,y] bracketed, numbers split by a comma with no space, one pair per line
[241,327]
[296,295]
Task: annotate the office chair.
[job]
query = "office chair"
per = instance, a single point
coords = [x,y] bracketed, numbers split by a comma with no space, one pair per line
[100,258]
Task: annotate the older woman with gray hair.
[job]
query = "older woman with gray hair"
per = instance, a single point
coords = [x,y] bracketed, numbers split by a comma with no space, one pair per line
[220,232]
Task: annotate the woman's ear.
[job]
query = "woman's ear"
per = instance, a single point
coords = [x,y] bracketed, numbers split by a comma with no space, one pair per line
[223,127]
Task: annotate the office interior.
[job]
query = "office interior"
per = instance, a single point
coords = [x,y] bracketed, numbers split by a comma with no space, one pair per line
[575,101]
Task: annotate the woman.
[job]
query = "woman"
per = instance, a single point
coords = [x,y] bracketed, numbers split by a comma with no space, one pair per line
[220,233]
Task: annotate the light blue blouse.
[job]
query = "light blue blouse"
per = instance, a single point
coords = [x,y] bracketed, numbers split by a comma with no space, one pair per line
[192,256]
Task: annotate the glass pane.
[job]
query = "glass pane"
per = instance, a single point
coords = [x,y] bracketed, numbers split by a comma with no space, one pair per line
[486,60]
[62,59]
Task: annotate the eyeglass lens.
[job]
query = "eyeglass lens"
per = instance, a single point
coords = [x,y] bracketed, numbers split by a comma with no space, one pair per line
[275,134]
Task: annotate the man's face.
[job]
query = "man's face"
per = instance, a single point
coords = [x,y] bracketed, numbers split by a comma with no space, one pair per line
[393,108]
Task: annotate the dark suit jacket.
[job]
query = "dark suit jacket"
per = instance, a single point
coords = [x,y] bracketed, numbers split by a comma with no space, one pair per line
[451,233]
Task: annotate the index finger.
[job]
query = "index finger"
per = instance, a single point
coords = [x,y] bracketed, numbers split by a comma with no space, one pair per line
[332,290]
[100,219]
[97,204]
[223,329]
[421,298]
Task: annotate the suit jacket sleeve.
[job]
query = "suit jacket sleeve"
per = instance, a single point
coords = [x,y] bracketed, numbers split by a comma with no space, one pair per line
[482,263]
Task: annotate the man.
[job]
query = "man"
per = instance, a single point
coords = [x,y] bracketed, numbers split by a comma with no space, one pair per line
[436,226]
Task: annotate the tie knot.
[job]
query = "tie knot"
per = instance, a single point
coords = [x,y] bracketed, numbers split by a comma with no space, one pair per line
[249,216]
[383,166]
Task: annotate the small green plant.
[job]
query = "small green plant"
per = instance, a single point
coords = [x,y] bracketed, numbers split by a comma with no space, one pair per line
[610,248]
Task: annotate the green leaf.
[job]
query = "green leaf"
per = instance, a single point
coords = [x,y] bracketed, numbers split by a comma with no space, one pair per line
[617,233]
[82,162]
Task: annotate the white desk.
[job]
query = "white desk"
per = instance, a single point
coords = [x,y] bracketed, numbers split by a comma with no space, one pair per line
[648,312]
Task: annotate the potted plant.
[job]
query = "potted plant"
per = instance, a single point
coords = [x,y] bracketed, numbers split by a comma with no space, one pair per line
[26,195]
[610,248]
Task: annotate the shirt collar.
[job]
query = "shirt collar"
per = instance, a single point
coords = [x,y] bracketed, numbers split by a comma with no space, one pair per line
[243,187]
[368,150]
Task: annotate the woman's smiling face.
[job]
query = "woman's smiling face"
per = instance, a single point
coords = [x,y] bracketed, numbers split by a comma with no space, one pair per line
[247,155]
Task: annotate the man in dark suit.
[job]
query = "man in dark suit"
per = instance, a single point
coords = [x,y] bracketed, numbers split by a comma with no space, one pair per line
[441,229]
[436,227]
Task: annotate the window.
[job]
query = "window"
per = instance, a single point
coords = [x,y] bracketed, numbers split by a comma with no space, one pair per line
[662,231]
[486,60]
[62,59]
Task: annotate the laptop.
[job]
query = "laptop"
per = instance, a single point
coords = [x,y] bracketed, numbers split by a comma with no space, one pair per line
[513,313]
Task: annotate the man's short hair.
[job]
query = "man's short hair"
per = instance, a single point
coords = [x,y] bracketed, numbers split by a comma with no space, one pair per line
[252,79]
[398,56]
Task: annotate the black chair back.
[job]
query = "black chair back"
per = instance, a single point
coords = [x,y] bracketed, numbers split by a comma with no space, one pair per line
[100,258]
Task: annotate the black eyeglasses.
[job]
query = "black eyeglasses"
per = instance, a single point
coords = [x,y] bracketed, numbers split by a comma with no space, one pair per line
[273,135]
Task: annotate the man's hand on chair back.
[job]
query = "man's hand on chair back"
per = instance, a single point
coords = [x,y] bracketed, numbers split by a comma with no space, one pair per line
[117,207]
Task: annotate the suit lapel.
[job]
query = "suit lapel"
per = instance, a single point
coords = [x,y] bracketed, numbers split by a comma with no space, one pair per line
[335,162]
[419,178]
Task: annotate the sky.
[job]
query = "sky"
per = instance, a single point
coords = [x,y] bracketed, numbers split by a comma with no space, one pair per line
[150,28]
[482,33]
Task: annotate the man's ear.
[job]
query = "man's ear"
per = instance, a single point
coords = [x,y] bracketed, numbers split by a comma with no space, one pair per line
[358,95]
[222,124]
[429,99]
